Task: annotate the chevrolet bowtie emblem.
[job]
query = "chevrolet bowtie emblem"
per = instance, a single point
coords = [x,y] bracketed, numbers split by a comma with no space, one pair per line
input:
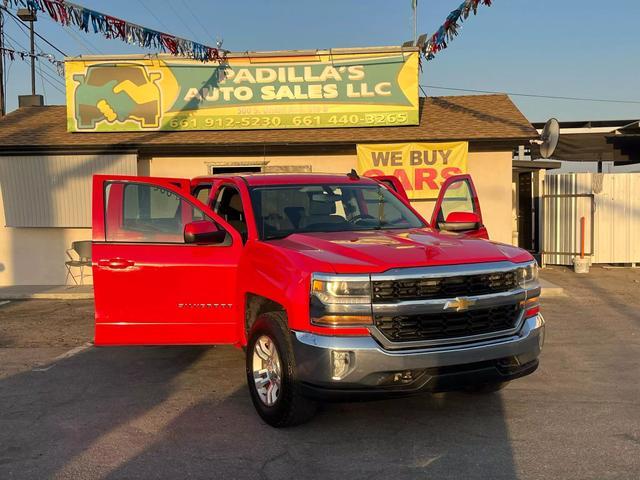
[459,304]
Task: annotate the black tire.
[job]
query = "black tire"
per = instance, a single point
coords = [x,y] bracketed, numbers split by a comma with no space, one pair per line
[485,388]
[291,407]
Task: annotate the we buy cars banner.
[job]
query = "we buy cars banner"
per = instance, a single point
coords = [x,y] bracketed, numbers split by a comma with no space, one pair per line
[248,91]
[421,167]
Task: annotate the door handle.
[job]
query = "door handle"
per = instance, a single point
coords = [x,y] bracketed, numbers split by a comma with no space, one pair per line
[116,263]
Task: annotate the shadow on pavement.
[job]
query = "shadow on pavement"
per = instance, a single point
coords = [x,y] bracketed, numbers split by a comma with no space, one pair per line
[185,412]
[49,418]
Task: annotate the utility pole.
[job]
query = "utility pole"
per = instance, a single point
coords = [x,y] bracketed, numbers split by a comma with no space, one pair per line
[33,58]
[415,21]
[29,15]
[2,110]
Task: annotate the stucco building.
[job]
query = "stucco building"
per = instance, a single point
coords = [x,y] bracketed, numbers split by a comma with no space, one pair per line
[45,171]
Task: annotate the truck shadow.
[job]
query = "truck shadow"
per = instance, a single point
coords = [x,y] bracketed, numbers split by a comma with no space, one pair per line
[176,412]
[52,416]
[443,436]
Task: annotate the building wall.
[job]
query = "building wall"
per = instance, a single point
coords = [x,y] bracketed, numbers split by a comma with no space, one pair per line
[491,173]
[36,255]
[48,200]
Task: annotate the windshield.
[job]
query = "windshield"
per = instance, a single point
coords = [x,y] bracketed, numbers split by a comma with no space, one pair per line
[287,209]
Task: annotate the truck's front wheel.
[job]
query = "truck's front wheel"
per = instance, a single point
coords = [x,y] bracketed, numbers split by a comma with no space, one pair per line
[271,373]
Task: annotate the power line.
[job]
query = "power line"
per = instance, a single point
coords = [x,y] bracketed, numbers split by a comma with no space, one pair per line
[55,78]
[22,27]
[44,91]
[181,19]
[160,22]
[533,95]
[195,17]
[49,78]
[83,43]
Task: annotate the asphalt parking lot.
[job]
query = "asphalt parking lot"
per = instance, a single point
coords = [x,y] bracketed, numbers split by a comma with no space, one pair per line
[69,410]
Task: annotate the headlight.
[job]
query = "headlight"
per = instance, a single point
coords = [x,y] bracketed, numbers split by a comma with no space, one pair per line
[340,300]
[341,289]
[528,274]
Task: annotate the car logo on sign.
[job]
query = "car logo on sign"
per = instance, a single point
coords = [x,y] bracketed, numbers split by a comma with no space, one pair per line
[459,304]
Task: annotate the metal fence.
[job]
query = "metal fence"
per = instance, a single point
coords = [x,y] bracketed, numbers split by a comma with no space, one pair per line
[610,204]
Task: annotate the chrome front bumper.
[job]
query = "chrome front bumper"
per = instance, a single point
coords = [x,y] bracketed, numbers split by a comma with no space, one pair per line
[377,370]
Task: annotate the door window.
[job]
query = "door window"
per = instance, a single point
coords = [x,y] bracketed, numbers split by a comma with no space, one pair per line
[458,197]
[137,212]
[201,193]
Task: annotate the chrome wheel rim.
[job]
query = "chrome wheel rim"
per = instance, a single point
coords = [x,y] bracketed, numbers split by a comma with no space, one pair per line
[267,371]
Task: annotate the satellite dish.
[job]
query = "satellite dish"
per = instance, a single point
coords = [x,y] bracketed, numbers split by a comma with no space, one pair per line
[548,138]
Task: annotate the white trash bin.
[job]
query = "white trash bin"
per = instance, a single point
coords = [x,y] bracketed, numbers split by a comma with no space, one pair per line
[581,265]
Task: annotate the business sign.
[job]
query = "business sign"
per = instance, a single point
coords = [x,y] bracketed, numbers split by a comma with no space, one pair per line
[326,89]
[421,167]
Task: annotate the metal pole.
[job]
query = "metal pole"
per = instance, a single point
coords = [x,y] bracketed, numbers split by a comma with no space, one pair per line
[581,237]
[33,60]
[2,110]
[415,22]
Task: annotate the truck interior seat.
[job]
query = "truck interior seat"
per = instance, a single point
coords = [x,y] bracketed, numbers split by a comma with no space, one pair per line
[234,214]
[274,218]
[321,212]
[294,214]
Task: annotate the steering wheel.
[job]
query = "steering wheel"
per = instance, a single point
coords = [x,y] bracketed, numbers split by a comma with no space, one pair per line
[359,218]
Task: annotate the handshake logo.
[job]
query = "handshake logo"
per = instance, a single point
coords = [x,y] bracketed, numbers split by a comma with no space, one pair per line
[117,92]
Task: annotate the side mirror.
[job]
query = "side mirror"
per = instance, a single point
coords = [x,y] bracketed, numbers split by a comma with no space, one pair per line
[460,222]
[203,232]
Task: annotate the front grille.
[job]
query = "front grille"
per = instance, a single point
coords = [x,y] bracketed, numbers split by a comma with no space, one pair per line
[390,291]
[448,325]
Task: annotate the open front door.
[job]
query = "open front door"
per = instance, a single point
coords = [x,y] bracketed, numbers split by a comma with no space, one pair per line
[458,208]
[164,265]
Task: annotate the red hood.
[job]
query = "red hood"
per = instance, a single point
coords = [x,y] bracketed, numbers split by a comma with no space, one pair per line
[380,250]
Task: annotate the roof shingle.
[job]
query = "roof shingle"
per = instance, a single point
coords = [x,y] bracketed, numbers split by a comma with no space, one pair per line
[471,117]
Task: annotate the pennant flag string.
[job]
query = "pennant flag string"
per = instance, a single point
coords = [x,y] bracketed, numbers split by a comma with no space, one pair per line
[449,29]
[85,19]
[12,54]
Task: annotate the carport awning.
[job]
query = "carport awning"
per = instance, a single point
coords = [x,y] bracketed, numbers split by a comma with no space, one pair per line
[596,147]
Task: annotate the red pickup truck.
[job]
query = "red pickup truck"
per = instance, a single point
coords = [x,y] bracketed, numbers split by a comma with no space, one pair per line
[333,284]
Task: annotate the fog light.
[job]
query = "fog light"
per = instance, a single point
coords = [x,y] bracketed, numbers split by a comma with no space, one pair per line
[403,377]
[509,362]
[342,363]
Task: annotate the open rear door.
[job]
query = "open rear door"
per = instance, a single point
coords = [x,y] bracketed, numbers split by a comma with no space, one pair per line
[393,184]
[458,208]
[201,188]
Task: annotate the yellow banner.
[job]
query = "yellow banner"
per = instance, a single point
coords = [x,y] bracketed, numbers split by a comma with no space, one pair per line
[421,167]
[325,89]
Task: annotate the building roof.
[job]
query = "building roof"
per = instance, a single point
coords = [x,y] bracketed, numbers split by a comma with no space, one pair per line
[476,118]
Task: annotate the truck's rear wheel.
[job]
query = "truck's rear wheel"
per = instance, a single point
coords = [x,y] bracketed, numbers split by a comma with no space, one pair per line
[271,373]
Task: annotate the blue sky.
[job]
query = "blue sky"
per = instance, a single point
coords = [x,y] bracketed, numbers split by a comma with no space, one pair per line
[571,48]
